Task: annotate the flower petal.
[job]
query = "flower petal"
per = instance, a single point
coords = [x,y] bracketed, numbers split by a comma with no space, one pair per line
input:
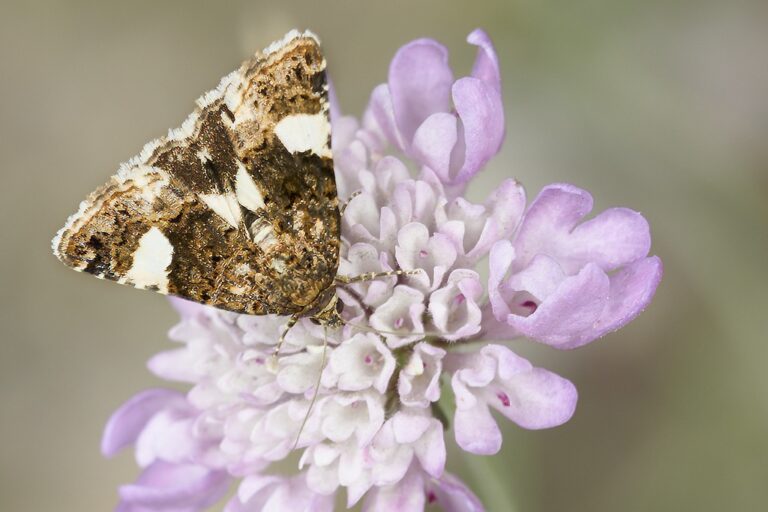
[187,308]
[419,380]
[176,486]
[507,205]
[486,65]
[400,316]
[294,495]
[430,449]
[361,362]
[405,496]
[434,141]
[475,429]
[551,216]
[501,257]
[615,237]
[534,399]
[632,289]
[127,422]
[481,112]
[452,495]
[454,309]
[573,308]
[175,365]
[381,110]
[420,84]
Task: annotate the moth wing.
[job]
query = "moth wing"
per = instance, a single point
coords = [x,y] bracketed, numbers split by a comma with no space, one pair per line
[236,209]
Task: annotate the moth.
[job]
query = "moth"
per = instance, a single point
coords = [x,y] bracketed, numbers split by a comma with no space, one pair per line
[237,208]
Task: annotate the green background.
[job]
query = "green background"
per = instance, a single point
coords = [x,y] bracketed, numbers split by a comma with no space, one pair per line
[656,105]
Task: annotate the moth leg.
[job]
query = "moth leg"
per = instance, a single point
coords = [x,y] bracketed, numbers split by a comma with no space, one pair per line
[370,276]
[272,363]
[317,388]
[343,206]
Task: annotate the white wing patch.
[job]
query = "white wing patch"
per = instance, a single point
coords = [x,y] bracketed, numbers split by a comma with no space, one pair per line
[151,261]
[305,132]
[248,193]
[225,206]
[262,234]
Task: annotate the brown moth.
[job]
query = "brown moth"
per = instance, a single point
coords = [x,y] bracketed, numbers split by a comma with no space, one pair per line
[237,208]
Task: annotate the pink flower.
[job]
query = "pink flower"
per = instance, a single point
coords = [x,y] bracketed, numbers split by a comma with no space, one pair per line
[259,493]
[495,377]
[419,379]
[452,127]
[411,438]
[362,362]
[362,404]
[178,471]
[416,490]
[566,284]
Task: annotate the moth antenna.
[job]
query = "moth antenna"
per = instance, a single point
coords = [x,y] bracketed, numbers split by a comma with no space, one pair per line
[272,365]
[317,388]
[343,206]
[370,276]
[401,334]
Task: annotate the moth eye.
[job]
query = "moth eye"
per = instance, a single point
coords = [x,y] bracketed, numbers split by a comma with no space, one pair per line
[339,307]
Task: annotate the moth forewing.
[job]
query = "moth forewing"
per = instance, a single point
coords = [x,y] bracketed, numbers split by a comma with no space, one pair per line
[237,208]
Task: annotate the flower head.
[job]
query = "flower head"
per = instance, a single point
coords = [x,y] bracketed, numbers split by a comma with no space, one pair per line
[361,402]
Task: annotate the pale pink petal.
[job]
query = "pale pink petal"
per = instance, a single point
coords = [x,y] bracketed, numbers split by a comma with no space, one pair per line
[501,257]
[615,237]
[187,308]
[399,319]
[631,290]
[475,429]
[407,495]
[451,495]
[176,486]
[419,379]
[417,250]
[420,84]
[276,494]
[454,308]
[434,141]
[381,110]
[550,217]
[175,365]
[574,307]
[534,399]
[361,362]
[127,422]
[506,205]
[486,65]
[430,449]
[479,107]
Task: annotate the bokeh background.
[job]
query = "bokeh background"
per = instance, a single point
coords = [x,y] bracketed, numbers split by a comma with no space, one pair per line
[657,105]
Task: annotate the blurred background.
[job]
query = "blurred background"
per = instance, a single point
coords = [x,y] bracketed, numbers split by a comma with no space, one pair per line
[656,105]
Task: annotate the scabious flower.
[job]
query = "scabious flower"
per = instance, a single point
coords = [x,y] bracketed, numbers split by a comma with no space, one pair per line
[375,429]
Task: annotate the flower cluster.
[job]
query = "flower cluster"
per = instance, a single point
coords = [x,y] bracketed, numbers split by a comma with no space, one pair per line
[361,403]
